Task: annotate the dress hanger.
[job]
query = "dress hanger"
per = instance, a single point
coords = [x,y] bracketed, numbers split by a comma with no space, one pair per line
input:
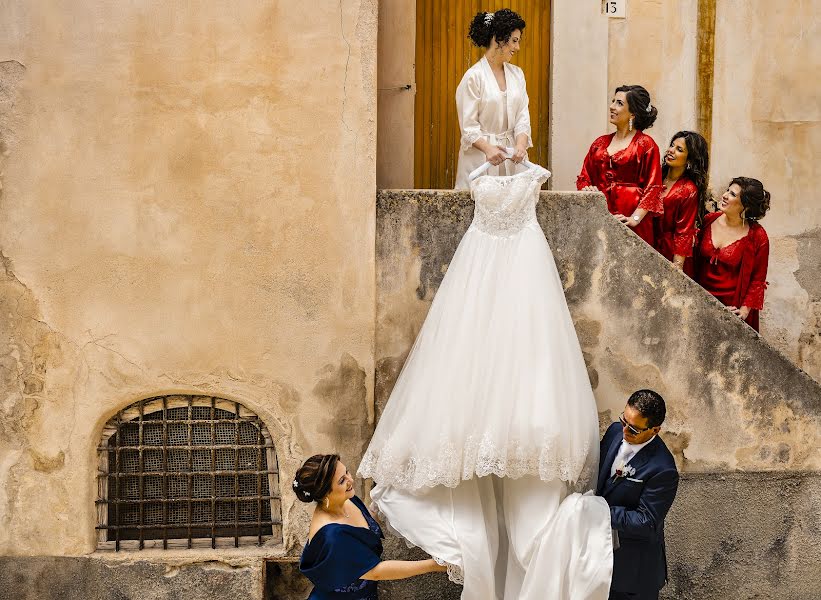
[509,151]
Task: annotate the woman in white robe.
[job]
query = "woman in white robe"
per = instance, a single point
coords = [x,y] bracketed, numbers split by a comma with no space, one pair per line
[492,105]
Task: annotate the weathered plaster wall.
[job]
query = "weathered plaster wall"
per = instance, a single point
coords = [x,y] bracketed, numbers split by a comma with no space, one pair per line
[395,104]
[736,536]
[578,87]
[185,208]
[767,124]
[655,46]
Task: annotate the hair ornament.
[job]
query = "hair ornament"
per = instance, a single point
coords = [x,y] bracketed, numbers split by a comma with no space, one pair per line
[488,18]
[303,492]
[649,107]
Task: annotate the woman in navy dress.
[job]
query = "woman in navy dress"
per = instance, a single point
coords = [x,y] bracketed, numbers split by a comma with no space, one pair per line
[343,556]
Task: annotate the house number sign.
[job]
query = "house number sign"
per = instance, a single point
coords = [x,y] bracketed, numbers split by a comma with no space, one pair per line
[616,9]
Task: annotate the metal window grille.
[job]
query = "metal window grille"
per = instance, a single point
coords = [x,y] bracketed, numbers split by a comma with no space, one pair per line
[187,472]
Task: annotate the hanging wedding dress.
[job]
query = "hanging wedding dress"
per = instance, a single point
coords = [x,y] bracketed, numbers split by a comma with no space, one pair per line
[490,435]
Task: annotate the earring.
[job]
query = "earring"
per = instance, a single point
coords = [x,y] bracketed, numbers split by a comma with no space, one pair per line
[327,503]
[687,167]
[630,125]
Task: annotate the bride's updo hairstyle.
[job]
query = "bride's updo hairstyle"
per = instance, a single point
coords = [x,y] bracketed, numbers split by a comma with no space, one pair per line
[500,25]
[315,477]
[638,101]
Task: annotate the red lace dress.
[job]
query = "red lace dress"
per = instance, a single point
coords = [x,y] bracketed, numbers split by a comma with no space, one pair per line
[736,274]
[676,228]
[629,179]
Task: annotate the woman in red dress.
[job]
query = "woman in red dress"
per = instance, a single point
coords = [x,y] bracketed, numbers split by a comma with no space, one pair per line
[685,196]
[733,249]
[625,165]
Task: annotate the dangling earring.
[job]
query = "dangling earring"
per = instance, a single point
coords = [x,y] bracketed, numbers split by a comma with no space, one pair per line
[630,125]
[327,503]
[687,168]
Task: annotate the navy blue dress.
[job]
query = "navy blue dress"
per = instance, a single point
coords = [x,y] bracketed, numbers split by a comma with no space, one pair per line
[338,555]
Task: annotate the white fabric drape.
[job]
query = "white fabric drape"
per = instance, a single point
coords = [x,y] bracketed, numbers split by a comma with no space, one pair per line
[491,431]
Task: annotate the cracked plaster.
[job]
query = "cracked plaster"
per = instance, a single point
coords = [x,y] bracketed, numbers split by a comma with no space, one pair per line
[170,223]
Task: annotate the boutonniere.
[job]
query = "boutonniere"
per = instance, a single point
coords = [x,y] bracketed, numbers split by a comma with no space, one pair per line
[624,471]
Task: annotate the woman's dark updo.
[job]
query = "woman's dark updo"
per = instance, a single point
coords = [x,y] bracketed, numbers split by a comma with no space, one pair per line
[500,25]
[315,477]
[754,198]
[638,101]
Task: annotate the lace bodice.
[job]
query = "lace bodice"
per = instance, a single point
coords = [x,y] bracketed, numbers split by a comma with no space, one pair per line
[505,205]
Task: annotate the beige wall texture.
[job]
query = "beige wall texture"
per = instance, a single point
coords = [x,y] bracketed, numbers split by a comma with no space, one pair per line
[767,124]
[186,207]
[655,46]
[396,69]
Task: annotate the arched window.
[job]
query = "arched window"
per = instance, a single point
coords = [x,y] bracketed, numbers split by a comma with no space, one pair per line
[187,472]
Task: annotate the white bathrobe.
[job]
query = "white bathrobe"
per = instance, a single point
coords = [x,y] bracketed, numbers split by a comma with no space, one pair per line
[487,112]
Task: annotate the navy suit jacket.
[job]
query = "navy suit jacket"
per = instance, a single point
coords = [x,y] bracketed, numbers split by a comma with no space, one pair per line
[637,511]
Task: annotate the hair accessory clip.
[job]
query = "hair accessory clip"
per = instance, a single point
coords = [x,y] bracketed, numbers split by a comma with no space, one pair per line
[649,107]
[296,484]
[488,18]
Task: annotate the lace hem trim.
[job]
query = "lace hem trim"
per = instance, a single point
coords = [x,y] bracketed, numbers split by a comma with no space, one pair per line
[651,199]
[479,457]
[468,139]
[683,244]
[582,182]
[455,573]
[755,295]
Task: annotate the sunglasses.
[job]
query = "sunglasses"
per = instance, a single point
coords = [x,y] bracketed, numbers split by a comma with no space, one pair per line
[631,428]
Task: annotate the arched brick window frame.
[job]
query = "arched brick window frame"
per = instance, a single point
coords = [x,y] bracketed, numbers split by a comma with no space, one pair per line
[187,471]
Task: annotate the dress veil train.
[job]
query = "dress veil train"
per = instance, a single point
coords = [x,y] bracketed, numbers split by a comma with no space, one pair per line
[486,454]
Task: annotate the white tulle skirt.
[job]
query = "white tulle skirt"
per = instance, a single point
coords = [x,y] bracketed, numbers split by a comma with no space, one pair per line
[491,427]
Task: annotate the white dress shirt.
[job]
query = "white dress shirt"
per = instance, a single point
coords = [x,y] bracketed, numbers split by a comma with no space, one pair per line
[626,453]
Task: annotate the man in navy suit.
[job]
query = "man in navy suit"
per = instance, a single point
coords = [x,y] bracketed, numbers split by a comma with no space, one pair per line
[638,479]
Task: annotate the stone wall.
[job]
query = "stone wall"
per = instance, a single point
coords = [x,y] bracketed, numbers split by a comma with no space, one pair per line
[186,208]
[83,578]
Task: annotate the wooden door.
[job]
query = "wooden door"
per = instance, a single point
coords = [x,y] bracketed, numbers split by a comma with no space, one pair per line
[443,54]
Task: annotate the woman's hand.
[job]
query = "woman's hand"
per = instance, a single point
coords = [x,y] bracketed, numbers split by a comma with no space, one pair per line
[496,155]
[742,312]
[590,188]
[519,154]
[629,221]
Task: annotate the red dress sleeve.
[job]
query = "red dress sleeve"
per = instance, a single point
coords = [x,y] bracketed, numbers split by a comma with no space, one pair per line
[584,179]
[754,298]
[685,223]
[650,179]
